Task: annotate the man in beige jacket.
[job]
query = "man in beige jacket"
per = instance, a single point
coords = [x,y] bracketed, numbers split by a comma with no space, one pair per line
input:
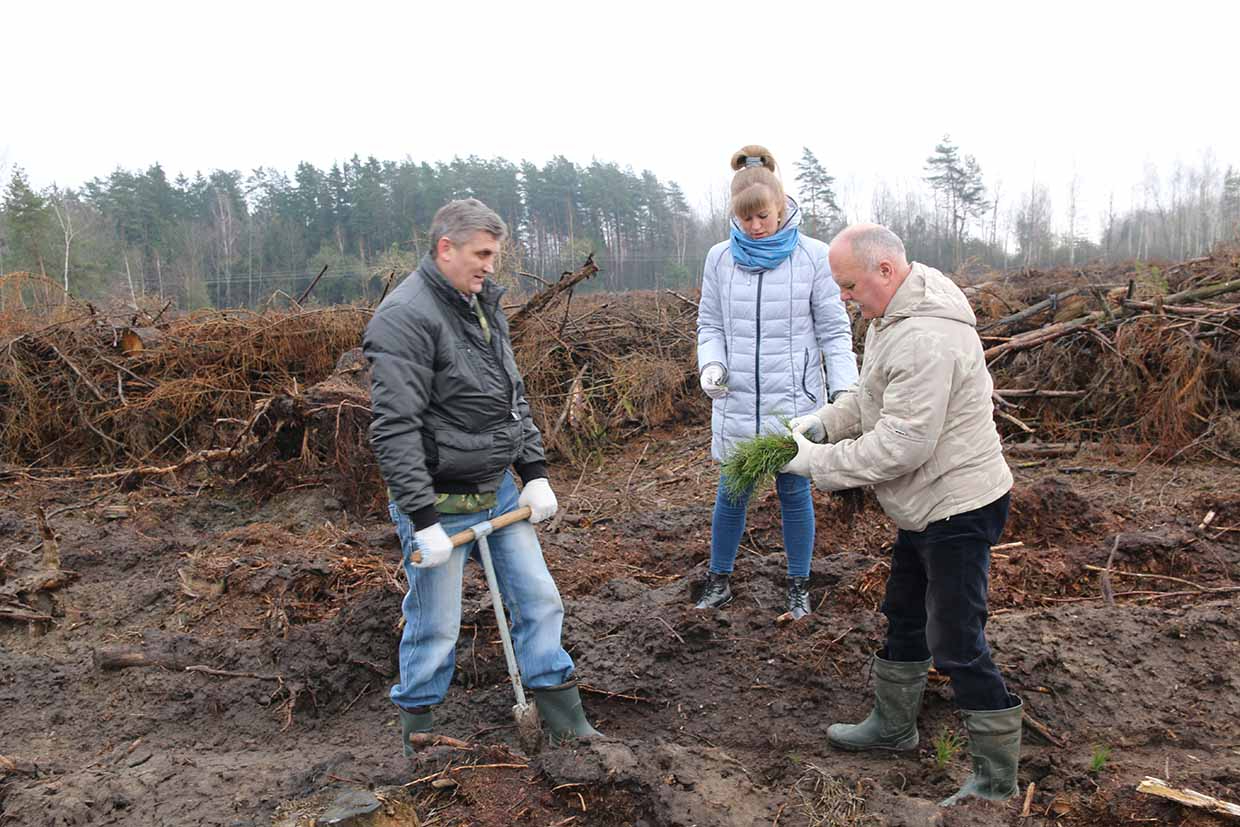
[919,429]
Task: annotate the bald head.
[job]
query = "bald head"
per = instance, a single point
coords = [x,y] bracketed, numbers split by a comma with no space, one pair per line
[870,244]
[869,264]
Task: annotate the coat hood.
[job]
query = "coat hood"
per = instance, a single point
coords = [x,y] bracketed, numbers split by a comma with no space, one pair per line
[927,293]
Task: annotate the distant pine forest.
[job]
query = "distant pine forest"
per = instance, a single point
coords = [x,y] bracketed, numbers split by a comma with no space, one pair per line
[232,239]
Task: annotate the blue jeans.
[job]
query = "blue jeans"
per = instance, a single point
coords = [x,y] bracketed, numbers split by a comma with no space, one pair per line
[936,602]
[796,506]
[432,606]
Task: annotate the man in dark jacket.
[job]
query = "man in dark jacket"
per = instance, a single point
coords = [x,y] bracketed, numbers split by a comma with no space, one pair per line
[450,420]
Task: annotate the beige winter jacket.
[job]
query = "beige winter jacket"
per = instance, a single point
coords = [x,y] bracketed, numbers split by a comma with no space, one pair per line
[920,427]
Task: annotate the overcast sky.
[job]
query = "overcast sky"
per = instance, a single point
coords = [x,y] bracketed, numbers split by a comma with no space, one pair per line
[1035,90]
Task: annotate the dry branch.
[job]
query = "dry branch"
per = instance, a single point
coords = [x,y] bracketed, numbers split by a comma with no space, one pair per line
[1016,393]
[306,293]
[112,658]
[224,673]
[1189,798]
[1049,303]
[423,740]
[1041,449]
[1041,729]
[545,297]
[1025,809]
[1051,332]
[22,615]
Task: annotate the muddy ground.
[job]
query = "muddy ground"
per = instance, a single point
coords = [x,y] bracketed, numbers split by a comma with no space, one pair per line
[216,661]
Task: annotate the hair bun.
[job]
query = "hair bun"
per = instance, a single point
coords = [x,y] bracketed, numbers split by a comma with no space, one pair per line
[751,156]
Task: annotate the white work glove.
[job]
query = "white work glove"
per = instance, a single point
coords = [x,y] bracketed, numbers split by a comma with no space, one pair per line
[434,545]
[712,380]
[538,495]
[809,426]
[800,464]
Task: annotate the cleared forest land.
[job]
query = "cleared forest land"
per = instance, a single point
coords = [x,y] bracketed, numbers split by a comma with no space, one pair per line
[199,590]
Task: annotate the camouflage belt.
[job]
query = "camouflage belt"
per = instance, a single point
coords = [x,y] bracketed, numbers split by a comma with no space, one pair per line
[464,503]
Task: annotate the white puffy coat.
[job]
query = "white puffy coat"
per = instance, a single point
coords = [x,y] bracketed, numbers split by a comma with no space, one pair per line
[770,330]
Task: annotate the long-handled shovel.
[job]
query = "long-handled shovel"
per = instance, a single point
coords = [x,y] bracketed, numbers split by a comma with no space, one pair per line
[526,715]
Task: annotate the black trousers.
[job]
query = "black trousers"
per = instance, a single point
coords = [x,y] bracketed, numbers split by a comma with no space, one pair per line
[936,602]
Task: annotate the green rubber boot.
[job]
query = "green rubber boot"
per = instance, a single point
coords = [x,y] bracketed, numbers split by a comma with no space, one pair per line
[563,719]
[892,723]
[412,721]
[994,745]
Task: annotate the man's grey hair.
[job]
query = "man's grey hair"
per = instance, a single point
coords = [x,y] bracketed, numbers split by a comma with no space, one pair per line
[460,220]
[873,244]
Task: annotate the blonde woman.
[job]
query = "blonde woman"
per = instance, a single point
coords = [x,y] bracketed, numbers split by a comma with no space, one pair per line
[769,321]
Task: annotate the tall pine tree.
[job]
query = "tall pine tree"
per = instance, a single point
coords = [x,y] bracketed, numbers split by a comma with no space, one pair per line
[817,195]
[959,192]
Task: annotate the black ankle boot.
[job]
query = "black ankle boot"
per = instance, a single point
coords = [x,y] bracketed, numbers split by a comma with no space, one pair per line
[717,592]
[798,597]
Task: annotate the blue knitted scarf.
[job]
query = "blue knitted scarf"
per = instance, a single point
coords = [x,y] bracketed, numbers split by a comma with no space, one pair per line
[763,253]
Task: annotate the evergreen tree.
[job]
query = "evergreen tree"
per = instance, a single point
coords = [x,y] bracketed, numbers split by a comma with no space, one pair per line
[28,226]
[1230,205]
[817,195]
[959,190]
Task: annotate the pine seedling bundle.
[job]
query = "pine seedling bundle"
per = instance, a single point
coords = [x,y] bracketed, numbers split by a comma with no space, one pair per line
[755,462]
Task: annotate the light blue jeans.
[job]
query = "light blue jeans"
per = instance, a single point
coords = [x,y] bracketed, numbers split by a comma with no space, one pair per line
[796,506]
[432,606]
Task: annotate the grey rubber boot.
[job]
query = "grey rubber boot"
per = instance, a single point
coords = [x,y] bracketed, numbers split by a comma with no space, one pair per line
[563,719]
[994,746]
[892,723]
[414,721]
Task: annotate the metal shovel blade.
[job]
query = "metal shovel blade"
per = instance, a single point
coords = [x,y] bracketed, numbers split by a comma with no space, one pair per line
[529,727]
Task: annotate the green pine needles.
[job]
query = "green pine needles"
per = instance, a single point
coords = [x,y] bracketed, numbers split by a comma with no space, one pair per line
[755,462]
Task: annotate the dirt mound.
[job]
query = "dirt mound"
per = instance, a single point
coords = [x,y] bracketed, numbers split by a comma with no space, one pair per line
[1050,511]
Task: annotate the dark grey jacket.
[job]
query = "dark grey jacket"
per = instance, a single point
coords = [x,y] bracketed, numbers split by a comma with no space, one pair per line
[449,410]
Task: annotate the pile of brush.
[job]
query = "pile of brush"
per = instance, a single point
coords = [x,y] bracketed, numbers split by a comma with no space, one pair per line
[80,387]
[604,368]
[1150,355]
[282,396]
[1154,359]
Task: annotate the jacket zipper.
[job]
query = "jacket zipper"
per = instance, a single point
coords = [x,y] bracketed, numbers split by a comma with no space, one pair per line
[495,348]
[757,359]
[497,353]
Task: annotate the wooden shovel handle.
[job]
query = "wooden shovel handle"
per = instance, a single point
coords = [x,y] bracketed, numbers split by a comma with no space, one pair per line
[467,536]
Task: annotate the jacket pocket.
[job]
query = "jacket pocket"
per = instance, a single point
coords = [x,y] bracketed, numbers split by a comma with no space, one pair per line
[506,445]
[805,366]
[462,457]
[430,450]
